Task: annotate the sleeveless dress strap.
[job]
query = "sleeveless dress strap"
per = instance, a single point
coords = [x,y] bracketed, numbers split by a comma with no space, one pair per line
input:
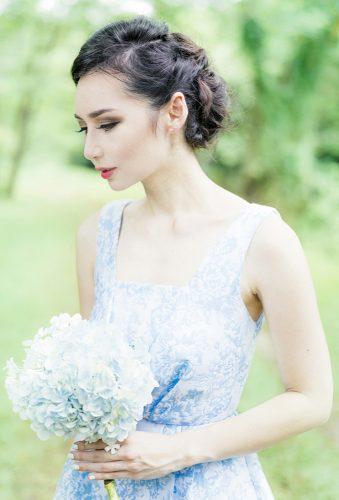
[108,220]
[245,235]
[250,224]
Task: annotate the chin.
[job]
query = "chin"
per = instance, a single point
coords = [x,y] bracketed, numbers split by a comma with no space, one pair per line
[116,187]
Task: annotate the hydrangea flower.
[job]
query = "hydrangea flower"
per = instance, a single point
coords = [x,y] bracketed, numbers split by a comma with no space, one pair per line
[81,379]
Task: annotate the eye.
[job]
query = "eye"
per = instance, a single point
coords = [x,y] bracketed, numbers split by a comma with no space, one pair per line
[105,126]
[81,130]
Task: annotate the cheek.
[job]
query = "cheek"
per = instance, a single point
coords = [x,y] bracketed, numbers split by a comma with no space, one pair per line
[128,143]
[137,145]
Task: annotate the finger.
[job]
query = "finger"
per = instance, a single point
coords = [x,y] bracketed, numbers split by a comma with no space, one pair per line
[112,447]
[97,456]
[111,475]
[102,467]
[98,445]
[93,456]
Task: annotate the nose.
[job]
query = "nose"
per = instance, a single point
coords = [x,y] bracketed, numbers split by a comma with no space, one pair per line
[92,151]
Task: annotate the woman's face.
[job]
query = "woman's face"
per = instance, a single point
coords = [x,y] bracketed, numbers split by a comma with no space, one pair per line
[123,137]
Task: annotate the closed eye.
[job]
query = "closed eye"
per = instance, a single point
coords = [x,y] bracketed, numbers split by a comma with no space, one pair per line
[105,126]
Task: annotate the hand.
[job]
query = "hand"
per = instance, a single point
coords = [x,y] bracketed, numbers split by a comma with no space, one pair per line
[142,455]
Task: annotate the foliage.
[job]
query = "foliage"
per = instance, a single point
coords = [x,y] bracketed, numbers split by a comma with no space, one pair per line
[281,62]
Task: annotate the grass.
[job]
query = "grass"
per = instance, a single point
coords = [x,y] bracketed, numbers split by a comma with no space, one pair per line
[39,280]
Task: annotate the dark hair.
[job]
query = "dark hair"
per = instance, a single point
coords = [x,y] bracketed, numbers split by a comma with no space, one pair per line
[154,64]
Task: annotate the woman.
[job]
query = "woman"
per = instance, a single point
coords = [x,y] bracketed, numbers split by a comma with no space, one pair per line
[192,269]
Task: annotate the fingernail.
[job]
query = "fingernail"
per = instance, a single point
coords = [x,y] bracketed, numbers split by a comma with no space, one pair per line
[91,476]
[74,447]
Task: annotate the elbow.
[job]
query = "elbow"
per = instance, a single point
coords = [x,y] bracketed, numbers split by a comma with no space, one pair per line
[317,410]
[316,417]
[325,415]
[322,411]
[325,405]
[320,418]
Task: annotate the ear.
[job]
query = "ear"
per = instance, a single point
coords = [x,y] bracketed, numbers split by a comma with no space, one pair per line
[177,111]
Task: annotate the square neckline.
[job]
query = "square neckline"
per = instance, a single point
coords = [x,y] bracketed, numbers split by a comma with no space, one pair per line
[168,286]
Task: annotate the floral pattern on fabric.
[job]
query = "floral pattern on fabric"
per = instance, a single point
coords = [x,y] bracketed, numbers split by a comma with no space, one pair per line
[201,339]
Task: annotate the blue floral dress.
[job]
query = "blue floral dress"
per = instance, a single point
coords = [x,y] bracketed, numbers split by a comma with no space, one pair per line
[201,339]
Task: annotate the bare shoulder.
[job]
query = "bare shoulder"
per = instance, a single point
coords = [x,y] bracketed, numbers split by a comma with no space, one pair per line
[274,233]
[86,235]
[275,245]
[88,226]
[275,238]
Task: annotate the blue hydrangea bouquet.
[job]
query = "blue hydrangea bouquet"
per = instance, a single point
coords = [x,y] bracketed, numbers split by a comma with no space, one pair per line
[81,379]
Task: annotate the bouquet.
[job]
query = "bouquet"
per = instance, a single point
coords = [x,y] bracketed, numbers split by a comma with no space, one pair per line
[81,379]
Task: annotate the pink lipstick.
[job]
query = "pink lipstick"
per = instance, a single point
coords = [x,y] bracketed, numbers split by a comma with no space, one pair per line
[107,173]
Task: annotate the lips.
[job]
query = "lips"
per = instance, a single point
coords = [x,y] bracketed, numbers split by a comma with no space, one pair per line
[107,173]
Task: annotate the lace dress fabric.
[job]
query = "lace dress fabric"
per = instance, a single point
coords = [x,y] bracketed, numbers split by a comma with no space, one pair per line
[201,339]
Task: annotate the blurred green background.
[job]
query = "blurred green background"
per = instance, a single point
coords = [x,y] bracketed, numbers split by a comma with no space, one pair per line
[281,60]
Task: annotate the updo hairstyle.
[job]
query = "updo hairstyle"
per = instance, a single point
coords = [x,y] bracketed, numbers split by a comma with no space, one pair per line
[153,64]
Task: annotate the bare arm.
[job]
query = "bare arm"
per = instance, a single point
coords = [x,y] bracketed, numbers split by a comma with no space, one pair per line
[280,276]
[85,258]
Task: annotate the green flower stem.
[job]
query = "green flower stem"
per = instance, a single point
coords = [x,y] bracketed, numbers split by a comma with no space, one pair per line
[111,489]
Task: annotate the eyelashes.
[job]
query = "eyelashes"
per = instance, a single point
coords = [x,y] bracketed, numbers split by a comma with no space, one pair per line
[105,126]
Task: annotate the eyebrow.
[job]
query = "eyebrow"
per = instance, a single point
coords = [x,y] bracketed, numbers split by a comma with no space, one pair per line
[94,114]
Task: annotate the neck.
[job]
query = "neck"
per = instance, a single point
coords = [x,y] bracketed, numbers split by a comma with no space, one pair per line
[180,186]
